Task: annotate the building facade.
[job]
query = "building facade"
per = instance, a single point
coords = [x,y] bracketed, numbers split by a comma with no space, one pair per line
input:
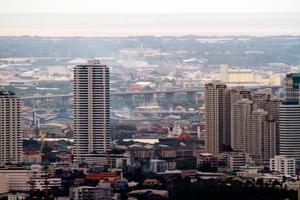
[91,112]
[11,138]
[240,118]
[236,160]
[283,165]
[18,178]
[289,119]
[216,124]
[99,192]
[289,130]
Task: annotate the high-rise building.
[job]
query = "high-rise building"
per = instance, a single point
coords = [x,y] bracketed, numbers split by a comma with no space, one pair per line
[289,130]
[240,118]
[289,119]
[233,95]
[252,131]
[11,138]
[91,112]
[291,84]
[269,139]
[217,136]
[261,136]
[272,107]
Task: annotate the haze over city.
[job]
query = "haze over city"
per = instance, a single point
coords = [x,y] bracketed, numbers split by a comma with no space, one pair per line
[150,100]
[121,18]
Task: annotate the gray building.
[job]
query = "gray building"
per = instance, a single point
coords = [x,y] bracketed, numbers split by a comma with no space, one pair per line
[289,119]
[103,191]
[11,138]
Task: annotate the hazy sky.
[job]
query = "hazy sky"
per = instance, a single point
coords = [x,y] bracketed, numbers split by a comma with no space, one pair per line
[149,17]
[149,6]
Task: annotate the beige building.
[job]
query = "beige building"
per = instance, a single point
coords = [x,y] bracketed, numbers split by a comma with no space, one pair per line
[260,99]
[217,135]
[18,179]
[235,75]
[272,107]
[11,144]
[240,76]
[261,137]
[269,140]
[255,133]
[3,184]
[253,130]
[240,118]
[236,160]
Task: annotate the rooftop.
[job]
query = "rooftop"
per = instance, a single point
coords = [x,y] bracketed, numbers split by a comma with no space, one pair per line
[6,93]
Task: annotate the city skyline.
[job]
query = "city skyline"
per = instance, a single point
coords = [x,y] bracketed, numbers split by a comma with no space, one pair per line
[166,100]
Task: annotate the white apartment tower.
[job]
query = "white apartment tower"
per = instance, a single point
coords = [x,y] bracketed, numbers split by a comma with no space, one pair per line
[91,112]
[11,144]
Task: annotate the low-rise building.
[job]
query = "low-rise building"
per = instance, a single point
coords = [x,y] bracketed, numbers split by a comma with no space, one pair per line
[207,160]
[167,152]
[3,184]
[33,157]
[161,165]
[140,152]
[184,152]
[119,161]
[17,178]
[283,165]
[235,161]
[40,177]
[100,192]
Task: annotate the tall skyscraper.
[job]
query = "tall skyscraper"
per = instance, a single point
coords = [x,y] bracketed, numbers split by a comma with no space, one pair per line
[260,136]
[91,112]
[11,138]
[253,129]
[233,95]
[240,118]
[272,107]
[289,119]
[217,136]
[269,139]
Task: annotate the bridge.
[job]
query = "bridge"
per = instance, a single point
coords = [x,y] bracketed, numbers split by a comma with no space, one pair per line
[49,96]
[149,96]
